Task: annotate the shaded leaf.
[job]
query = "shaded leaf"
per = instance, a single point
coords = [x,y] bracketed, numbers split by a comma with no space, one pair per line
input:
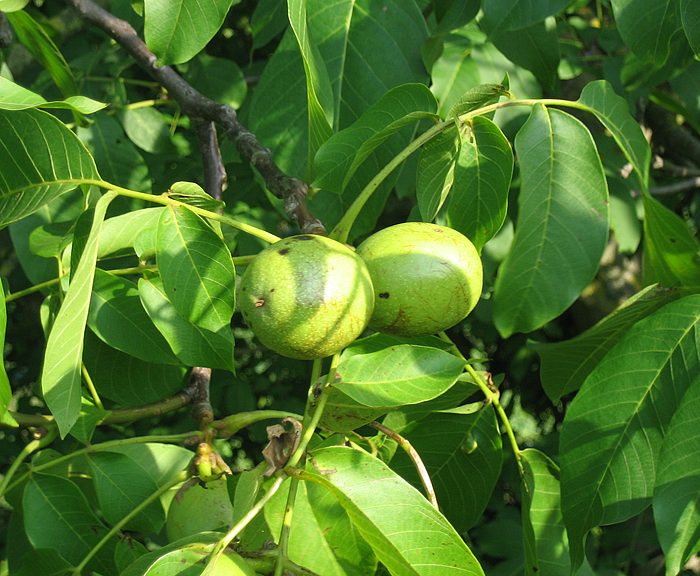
[406,533]
[45,156]
[193,345]
[218,78]
[478,97]
[562,223]
[5,390]
[118,318]
[614,428]
[176,30]
[690,17]
[398,375]
[61,376]
[676,500]
[671,252]
[463,454]
[194,195]
[479,199]
[502,15]
[268,20]
[564,366]
[118,235]
[646,26]
[196,268]
[436,172]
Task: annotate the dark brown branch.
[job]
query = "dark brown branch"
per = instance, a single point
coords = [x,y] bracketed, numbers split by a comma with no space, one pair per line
[202,411]
[674,169]
[215,178]
[677,142]
[195,104]
[6,35]
[676,187]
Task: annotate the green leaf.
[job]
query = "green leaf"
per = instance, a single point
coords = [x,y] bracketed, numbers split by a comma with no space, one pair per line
[248,489]
[624,220]
[194,346]
[118,159]
[343,414]
[58,517]
[45,156]
[562,225]
[196,268]
[5,390]
[406,533]
[479,199]
[453,75]
[564,366]
[202,542]
[121,484]
[46,562]
[12,5]
[676,500]
[546,543]
[504,15]
[194,195]
[671,252]
[118,318]
[118,234]
[398,375]
[339,158]
[436,172]
[61,375]
[218,78]
[147,128]
[318,86]
[35,39]
[16,97]
[535,48]
[126,380]
[268,20]
[612,110]
[90,416]
[308,546]
[463,454]
[646,26]
[478,97]
[176,30]
[614,428]
[690,17]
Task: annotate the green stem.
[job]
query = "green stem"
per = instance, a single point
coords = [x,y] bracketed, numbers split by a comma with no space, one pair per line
[241,524]
[30,448]
[181,477]
[91,387]
[164,200]
[150,104]
[167,438]
[342,229]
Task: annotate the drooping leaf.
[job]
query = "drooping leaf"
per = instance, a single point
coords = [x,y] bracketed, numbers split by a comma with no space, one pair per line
[646,26]
[176,30]
[61,375]
[118,318]
[126,380]
[16,97]
[564,366]
[117,158]
[462,453]
[193,345]
[398,375]
[5,390]
[676,500]
[504,15]
[615,426]
[35,39]
[613,112]
[690,17]
[562,223]
[406,533]
[194,195]
[46,157]
[477,97]
[58,517]
[118,234]
[436,172]
[196,268]
[479,200]
[318,87]
[671,252]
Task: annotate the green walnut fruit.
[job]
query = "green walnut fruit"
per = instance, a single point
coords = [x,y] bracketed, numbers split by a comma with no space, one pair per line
[231,564]
[426,278]
[198,508]
[306,296]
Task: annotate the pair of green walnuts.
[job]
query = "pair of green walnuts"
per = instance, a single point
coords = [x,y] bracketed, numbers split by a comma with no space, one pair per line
[309,297]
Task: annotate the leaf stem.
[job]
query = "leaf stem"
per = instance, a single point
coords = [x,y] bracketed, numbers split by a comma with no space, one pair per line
[30,448]
[342,229]
[181,477]
[91,387]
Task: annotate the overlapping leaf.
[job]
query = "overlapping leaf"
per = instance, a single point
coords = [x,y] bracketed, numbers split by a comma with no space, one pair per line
[16,97]
[61,375]
[403,374]
[690,17]
[646,26]
[44,155]
[562,225]
[504,15]
[613,431]
[196,268]
[5,390]
[176,30]
[118,234]
[436,172]
[406,533]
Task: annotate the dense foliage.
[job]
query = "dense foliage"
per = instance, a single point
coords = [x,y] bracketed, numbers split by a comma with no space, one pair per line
[150,149]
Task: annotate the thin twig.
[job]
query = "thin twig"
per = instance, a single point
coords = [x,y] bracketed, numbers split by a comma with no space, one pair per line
[215,178]
[202,412]
[674,169]
[415,458]
[676,187]
[195,104]
[6,35]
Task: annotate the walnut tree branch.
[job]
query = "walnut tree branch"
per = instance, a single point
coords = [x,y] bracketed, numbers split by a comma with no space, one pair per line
[6,35]
[215,178]
[196,105]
